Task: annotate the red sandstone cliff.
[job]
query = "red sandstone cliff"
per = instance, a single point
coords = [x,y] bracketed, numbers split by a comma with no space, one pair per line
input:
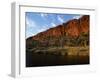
[71,28]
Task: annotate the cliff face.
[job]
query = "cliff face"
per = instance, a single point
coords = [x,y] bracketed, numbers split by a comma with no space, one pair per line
[72,28]
[84,24]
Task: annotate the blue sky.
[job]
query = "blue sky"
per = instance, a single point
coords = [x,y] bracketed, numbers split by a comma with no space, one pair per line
[38,22]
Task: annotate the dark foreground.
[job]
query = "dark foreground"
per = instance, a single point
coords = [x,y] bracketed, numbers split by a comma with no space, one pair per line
[40,59]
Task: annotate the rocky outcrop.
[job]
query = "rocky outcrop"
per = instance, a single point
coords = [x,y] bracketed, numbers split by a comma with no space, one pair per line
[73,28]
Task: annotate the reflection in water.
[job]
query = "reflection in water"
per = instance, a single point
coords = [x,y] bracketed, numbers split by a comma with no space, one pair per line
[40,59]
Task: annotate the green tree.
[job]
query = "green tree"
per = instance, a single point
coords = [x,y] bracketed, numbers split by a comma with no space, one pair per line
[84,39]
